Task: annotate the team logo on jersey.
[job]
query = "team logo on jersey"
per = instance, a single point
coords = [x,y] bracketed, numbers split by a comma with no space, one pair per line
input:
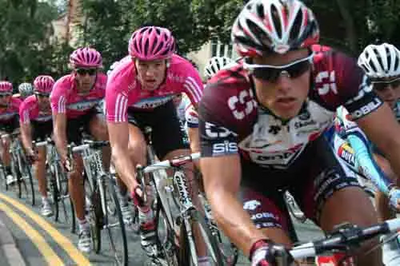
[251,205]
[274,129]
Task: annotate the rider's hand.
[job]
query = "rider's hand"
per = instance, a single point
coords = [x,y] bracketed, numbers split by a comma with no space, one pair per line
[266,253]
[31,156]
[394,198]
[137,196]
[68,165]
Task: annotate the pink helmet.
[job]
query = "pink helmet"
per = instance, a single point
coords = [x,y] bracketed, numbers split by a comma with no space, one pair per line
[85,57]
[274,26]
[6,87]
[151,43]
[43,84]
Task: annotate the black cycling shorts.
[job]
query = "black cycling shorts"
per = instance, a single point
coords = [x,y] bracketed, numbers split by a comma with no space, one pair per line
[166,130]
[311,179]
[76,126]
[10,126]
[41,130]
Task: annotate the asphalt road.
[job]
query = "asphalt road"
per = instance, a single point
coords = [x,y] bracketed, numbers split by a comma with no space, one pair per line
[42,241]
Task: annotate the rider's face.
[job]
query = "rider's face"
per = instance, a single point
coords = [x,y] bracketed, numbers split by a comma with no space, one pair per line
[285,95]
[85,78]
[43,101]
[388,90]
[5,99]
[151,73]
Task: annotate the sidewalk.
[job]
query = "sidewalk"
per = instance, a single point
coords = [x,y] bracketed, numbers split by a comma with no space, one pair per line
[9,253]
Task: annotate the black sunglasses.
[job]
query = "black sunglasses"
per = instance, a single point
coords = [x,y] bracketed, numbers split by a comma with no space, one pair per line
[84,71]
[5,95]
[42,95]
[271,73]
[383,85]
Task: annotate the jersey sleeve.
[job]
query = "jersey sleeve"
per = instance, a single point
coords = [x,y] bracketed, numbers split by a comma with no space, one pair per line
[357,94]
[339,81]
[220,115]
[116,105]
[193,86]
[58,97]
[192,117]
[24,116]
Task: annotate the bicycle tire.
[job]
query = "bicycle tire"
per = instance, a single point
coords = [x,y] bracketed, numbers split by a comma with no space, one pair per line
[26,170]
[95,218]
[123,258]
[213,249]
[166,236]
[55,194]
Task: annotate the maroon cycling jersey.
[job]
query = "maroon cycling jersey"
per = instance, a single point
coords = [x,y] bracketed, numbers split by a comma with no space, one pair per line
[231,121]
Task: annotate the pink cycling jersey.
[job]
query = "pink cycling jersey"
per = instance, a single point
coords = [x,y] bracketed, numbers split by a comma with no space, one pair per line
[29,110]
[6,114]
[124,90]
[65,98]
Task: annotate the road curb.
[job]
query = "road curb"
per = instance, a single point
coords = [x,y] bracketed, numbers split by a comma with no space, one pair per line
[8,245]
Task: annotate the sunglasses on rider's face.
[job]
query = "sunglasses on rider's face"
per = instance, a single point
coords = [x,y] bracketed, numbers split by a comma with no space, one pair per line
[84,71]
[42,95]
[4,95]
[271,73]
[384,84]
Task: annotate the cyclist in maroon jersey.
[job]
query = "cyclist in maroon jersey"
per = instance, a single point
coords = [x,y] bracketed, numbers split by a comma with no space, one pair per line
[262,125]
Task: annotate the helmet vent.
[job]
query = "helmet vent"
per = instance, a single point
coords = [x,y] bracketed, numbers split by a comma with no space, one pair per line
[276,20]
[260,11]
[295,32]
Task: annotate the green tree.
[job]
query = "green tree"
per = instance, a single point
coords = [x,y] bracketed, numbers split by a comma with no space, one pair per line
[25,29]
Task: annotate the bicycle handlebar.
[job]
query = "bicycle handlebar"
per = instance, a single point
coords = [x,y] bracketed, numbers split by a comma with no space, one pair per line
[344,236]
[43,143]
[172,163]
[89,144]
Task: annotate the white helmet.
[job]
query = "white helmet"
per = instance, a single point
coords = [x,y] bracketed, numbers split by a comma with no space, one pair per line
[25,89]
[380,61]
[215,64]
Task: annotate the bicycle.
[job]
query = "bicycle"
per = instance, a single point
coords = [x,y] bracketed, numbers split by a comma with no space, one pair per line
[336,249]
[20,167]
[58,182]
[173,196]
[101,199]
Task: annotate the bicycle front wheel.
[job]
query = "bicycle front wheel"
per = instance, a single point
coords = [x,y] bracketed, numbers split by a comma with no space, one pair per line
[115,225]
[189,252]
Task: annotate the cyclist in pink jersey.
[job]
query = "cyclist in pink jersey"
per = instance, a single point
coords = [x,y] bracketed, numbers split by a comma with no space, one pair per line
[74,101]
[36,124]
[140,92]
[9,107]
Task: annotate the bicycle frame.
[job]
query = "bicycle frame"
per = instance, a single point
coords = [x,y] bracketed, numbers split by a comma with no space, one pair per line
[92,162]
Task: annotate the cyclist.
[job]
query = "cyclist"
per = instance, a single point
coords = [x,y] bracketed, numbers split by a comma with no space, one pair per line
[215,64]
[25,89]
[265,119]
[139,93]
[36,124]
[74,102]
[381,65]
[9,107]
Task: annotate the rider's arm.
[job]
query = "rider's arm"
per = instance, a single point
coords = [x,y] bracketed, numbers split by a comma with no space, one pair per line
[119,138]
[60,134]
[26,136]
[382,129]
[365,162]
[222,188]
[194,139]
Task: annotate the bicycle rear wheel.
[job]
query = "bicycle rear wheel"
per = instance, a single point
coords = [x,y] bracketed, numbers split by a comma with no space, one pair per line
[188,253]
[114,224]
